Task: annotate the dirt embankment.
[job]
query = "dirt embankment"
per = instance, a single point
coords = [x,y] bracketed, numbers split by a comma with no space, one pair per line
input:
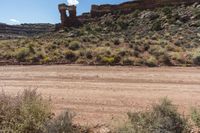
[99,95]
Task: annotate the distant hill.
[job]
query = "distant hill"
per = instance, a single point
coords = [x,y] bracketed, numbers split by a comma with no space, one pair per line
[23,30]
[163,36]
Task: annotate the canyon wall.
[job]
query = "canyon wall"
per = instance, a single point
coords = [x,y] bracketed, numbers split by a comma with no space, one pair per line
[13,31]
[127,7]
[100,10]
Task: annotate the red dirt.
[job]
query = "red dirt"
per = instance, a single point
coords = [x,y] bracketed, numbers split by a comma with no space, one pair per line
[99,95]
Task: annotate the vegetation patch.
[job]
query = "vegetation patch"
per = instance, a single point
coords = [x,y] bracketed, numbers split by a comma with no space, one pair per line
[28,112]
[162,118]
[158,37]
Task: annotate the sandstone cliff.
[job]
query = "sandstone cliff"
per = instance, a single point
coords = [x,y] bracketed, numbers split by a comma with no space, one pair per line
[127,7]
[16,31]
[98,11]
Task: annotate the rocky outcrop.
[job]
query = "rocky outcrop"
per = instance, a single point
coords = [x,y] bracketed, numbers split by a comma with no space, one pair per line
[100,10]
[16,31]
[127,7]
[68,21]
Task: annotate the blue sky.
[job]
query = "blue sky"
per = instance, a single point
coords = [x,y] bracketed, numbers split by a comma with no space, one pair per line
[40,11]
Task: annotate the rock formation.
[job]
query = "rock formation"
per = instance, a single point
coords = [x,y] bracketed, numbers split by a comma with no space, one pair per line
[71,20]
[124,8]
[127,7]
[16,31]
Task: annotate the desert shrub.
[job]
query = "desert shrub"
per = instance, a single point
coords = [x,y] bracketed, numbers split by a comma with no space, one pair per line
[136,13]
[28,112]
[74,45]
[166,59]
[195,116]
[196,13]
[172,47]
[122,22]
[108,21]
[122,52]
[184,18]
[173,18]
[89,54]
[116,41]
[54,46]
[62,124]
[175,58]
[25,113]
[46,59]
[37,57]
[56,55]
[70,55]
[196,58]
[157,25]
[106,60]
[156,50]
[151,61]
[128,61]
[107,43]
[163,118]
[153,16]
[103,51]
[22,53]
[167,10]
[31,48]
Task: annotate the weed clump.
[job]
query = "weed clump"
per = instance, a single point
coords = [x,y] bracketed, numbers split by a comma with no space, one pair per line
[28,112]
[74,45]
[157,25]
[162,118]
[22,53]
[70,56]
[196,59]
[195,116]
[62,124]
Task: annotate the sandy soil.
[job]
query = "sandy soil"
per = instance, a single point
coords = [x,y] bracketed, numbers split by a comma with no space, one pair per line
[99,95]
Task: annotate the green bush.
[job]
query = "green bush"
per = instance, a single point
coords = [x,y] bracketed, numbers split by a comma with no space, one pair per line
[25,113]
[116,41]
[136,13]
[28,112]
[46,59]
[167,10]
[163,118]
[196,58]
[156,50]
[70,55]
[62,124]
[157,25]
[74,45]
[89,54]
[108,60]
[195,116]
[37,57]
[22,53]
[128,61]
[152,61]
[196,13]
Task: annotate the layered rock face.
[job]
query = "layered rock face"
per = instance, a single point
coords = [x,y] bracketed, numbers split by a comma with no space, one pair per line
[127,7]
[124,8]
[68,21]
[16,31]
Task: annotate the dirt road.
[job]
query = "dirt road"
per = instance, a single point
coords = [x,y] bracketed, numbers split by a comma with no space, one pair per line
[102,94]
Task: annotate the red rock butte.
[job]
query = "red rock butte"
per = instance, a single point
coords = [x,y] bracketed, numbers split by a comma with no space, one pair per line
[123,8]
